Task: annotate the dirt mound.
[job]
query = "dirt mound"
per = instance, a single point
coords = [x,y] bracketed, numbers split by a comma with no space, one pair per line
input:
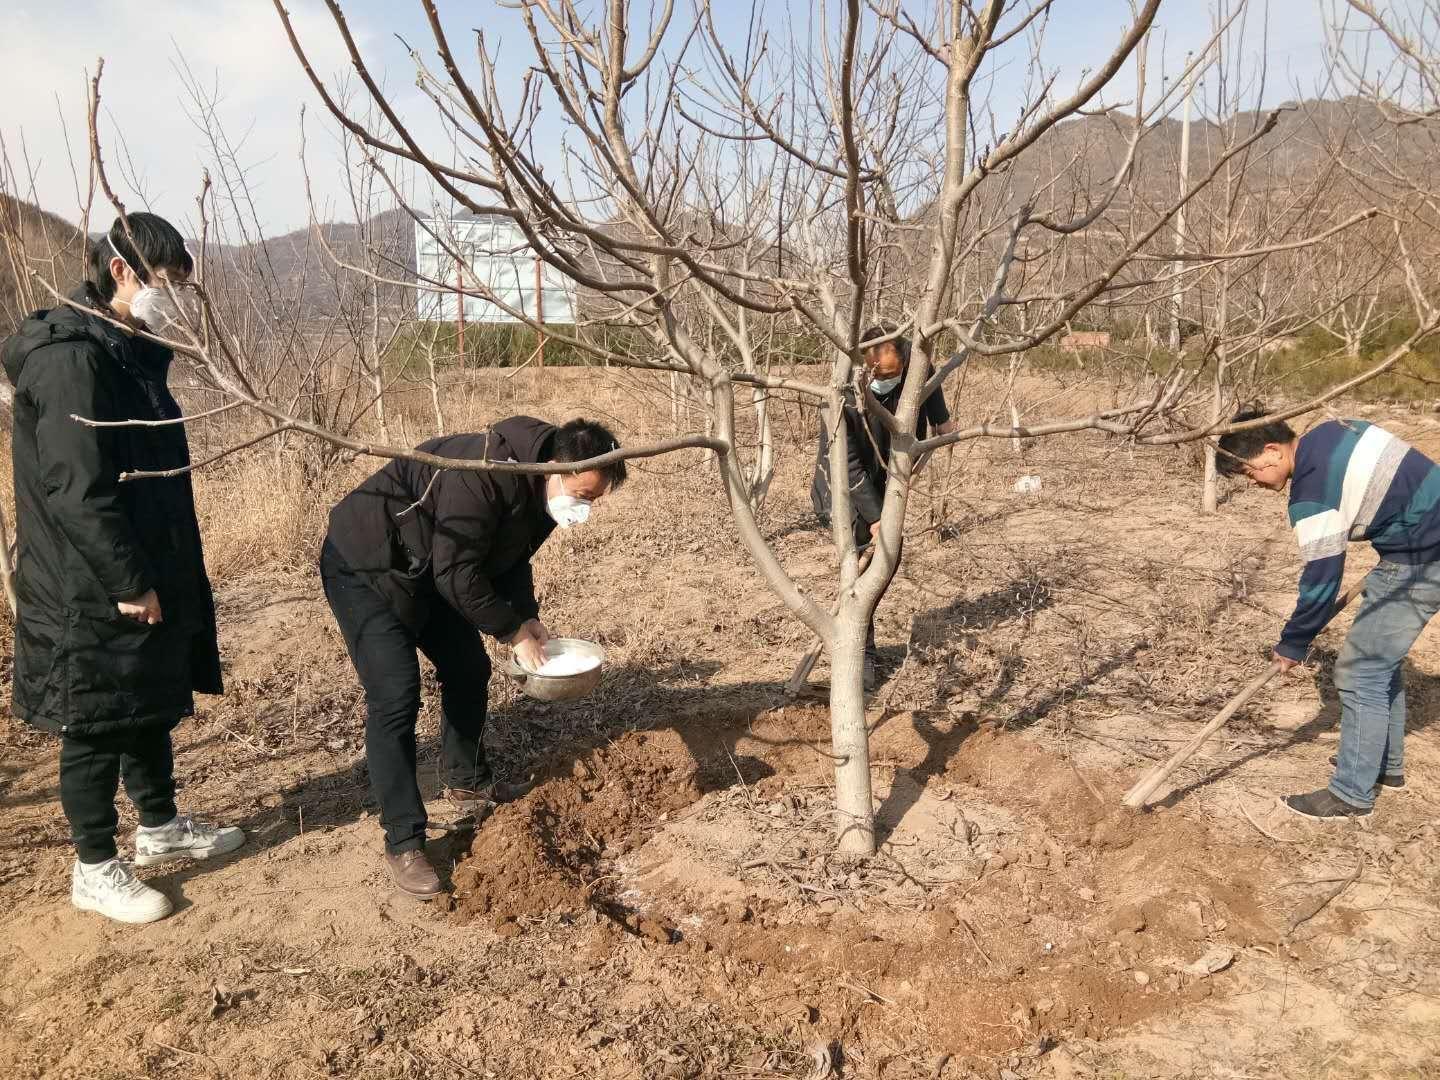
[543,853]
[1006,892]
[517,867]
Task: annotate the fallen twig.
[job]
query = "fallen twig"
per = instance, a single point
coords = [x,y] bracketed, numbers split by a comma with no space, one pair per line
[975,939]
[861,989]
[1305,914]
[241,738]
[1261,829]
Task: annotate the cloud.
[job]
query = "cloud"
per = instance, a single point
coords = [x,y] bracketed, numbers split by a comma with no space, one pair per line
[236,48]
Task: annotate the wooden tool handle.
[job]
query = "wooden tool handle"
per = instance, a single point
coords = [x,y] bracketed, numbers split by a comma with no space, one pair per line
[1137,795]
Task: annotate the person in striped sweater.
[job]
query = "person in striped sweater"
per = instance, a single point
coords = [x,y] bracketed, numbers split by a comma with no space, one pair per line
[1353,480]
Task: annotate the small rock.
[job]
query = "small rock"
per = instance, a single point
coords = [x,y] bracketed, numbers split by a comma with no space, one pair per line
[1217,959]
[657,931]
[1141,978]
[1191,921]
[1375,990]
[1129,918]
[1088,895]
[508,927]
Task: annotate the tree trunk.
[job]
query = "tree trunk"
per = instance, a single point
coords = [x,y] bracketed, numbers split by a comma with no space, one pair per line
[1209,494]
[849,736]
[7,568]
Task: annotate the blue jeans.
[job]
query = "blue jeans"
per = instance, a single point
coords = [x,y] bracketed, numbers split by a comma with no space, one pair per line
[1399,600]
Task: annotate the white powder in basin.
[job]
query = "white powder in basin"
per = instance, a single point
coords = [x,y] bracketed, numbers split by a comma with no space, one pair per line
[568,664]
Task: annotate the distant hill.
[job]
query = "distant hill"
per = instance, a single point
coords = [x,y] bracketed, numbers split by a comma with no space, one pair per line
[301,266]
[32,239]
[1069,168]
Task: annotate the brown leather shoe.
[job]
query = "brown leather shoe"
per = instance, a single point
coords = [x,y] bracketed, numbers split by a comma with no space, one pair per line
[413,875]
[480,802]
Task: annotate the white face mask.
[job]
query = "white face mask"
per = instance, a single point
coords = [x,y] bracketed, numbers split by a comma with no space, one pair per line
[881,387]
[155,309]
[151,306]
[567,510]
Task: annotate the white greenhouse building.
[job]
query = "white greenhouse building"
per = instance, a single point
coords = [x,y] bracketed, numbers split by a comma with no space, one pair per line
[496,256]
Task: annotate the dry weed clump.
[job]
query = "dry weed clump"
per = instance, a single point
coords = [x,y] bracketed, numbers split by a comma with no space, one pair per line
[264,513]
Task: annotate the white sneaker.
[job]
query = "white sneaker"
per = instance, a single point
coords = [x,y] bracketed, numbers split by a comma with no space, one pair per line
[184,838]
[112,889]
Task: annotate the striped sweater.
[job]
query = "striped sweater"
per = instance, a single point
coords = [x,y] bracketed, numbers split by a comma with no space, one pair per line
[1355,481]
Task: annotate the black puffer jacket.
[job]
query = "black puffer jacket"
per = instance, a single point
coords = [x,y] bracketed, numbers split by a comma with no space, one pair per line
[87,540]
[466,541]
[868,443]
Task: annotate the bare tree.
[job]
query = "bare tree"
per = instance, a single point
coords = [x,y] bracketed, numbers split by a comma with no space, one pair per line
[870,161]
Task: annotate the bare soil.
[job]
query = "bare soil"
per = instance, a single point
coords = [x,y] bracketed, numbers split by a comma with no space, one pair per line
[666,902]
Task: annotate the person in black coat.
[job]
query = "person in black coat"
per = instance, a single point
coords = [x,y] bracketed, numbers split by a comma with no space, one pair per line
[116,625]
[868,446]
[424,559]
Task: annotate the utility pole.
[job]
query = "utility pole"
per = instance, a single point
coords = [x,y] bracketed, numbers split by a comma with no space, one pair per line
[1176,291]
[460,307]
[540,311]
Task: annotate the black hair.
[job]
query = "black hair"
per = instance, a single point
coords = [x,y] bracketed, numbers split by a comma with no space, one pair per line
[159,242]
[1239,447]
[580,440]
[885,330]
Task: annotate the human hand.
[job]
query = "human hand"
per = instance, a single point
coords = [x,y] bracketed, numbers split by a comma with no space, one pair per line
[537,630]
[145,608]
[874,529]
[1284,663]
[529,650]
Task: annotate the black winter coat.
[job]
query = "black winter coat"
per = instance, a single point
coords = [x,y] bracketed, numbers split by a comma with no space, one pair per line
[868,443]
[460,538]
[86,540]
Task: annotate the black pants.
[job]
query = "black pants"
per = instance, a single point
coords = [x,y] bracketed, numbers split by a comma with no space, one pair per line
[90,773]
[383,650]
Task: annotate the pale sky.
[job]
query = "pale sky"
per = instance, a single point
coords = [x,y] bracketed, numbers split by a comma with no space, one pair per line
[239,46]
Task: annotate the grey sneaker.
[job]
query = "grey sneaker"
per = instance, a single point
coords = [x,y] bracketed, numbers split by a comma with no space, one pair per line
[184,838]
[113,890]
[1323,806]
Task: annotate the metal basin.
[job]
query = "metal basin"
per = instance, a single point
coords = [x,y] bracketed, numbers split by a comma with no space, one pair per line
[560,687]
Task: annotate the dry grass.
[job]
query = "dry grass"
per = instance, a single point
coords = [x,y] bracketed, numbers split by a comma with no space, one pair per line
[1088,628]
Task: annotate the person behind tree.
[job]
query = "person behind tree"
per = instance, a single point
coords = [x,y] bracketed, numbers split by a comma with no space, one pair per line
[868,446]
[116,624]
